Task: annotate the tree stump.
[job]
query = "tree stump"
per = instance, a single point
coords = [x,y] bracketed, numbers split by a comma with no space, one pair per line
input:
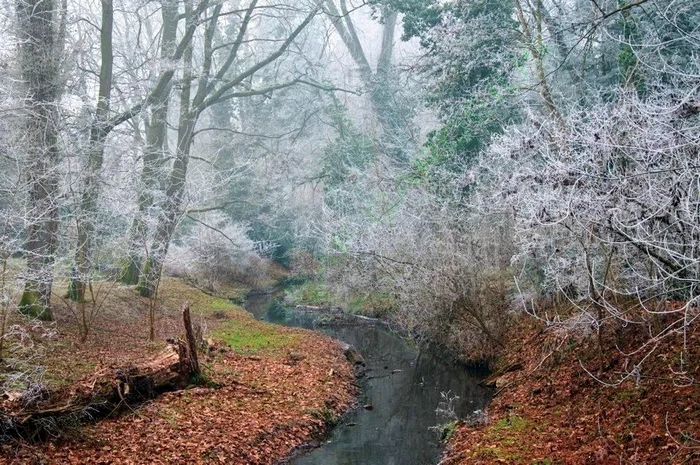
[188,357]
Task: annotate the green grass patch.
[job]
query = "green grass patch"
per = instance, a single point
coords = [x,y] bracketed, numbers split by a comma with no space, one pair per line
[241,332]
[506,439]
[220,304]
[627,395]
[250,337]
[173,293]
[494,453]
[375,305]
[446,430]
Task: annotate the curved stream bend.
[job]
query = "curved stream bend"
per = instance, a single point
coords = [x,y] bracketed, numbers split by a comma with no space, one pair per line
[403,388]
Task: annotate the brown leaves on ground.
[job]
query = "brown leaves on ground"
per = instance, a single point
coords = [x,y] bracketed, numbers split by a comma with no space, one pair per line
[265,404]
[553,412]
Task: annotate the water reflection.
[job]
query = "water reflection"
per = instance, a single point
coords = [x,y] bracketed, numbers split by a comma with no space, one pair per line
[403,388]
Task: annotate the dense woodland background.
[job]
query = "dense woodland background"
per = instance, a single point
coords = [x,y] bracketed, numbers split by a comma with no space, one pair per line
[447,165]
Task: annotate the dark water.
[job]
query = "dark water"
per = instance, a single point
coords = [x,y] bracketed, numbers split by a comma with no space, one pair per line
[403,387]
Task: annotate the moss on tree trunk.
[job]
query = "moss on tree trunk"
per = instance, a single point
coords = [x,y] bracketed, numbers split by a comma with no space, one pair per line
[147,281]
[76,288]
[130,273]
[31,305]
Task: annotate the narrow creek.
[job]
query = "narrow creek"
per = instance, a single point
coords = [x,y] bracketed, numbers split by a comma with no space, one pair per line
[401,388]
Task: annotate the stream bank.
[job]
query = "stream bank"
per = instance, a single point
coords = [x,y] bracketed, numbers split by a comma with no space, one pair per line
[266,388]
[548,410]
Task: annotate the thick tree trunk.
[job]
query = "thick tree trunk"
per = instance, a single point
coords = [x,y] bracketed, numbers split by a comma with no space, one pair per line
[175,183]
[39,60]
[171,214]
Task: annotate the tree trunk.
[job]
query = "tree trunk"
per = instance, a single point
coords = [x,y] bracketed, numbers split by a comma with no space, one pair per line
[171,214]
[394,122]
[98,136]
[535,44]
[153,158]
[176,181]
[39,52]
[190,362]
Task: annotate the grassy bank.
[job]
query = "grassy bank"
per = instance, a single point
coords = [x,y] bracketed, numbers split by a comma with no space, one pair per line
[320,294]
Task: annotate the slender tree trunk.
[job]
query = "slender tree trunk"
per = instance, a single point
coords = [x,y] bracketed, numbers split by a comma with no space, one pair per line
[532,34]
[153,159]
[394,122]
[3,304]
[98,136]
[175,187]
[40,50]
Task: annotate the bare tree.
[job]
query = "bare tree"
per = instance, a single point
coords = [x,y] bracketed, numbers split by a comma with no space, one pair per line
[381,84]
[213,85]
[104,123]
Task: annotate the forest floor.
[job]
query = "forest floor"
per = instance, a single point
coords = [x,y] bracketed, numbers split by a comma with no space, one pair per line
[273,389]
[549,410]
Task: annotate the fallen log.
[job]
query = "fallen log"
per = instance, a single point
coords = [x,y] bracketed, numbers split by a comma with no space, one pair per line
[103,393]
[494,378]
[33,416]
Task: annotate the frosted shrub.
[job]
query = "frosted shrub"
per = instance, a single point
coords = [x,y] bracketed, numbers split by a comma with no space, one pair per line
[605,207]
[215,252]
[431,255]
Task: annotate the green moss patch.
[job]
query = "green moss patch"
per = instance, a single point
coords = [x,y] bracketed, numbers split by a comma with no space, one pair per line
[512,422]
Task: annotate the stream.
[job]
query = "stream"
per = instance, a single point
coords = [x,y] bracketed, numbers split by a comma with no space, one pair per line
[403,386]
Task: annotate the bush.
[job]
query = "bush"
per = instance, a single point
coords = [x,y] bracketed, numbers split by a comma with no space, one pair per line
[441,272]
[216,252]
